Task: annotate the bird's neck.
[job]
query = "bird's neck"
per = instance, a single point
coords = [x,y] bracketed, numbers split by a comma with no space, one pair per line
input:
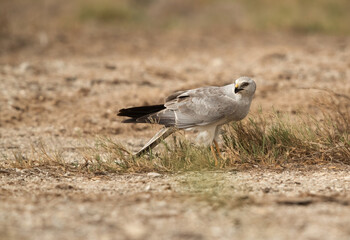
[243,98]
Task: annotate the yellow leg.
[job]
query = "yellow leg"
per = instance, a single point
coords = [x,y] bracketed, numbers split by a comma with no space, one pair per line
[213,151]
[217,148]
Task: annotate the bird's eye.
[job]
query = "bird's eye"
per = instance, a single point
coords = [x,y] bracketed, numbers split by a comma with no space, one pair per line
[244,84]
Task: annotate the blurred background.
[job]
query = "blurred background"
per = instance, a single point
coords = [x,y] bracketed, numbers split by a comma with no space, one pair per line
[57,57]
[41,24]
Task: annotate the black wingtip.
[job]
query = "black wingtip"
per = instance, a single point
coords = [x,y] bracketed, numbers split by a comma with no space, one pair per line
[137,112]
[123,112]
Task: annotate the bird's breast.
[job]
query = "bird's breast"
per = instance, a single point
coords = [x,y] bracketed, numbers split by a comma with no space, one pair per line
[240,113]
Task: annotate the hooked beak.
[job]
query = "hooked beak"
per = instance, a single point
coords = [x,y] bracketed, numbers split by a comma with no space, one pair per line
[237,89]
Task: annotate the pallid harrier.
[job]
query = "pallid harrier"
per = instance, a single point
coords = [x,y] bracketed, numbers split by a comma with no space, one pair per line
[204,109]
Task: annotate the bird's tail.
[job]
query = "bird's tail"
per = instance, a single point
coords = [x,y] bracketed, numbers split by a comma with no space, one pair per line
[155,140]
[135,113]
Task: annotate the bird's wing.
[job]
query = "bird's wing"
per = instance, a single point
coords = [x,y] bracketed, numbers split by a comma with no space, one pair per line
[197,107]
[155,140]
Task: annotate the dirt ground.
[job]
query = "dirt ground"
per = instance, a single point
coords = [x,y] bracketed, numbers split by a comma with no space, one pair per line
[256,204]
[66,94]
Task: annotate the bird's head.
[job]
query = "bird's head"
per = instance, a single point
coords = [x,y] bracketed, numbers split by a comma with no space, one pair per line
[245,86]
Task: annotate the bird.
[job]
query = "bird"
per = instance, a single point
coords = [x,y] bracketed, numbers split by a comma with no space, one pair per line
[205,109]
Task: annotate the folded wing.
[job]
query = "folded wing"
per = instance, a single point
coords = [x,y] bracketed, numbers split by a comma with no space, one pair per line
[192,108]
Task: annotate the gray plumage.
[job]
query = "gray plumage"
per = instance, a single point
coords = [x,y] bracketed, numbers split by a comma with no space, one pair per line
[205,109]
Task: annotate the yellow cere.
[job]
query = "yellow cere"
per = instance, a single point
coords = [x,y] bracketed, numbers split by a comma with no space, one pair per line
[236,86]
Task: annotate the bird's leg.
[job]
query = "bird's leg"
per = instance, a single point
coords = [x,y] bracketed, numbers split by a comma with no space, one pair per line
[213,151]
[217,148]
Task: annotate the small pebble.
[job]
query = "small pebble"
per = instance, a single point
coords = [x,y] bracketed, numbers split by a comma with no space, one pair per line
[154,174]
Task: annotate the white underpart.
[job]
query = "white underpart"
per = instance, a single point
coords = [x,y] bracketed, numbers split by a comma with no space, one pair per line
[207,134]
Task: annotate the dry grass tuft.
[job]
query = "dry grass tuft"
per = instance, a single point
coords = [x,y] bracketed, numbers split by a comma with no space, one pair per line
[39,156]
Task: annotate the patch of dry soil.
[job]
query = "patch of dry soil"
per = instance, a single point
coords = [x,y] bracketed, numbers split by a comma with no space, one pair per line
[256,204]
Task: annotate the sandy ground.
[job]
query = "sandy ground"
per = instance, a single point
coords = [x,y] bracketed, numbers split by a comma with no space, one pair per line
[67,95]
[256,204]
